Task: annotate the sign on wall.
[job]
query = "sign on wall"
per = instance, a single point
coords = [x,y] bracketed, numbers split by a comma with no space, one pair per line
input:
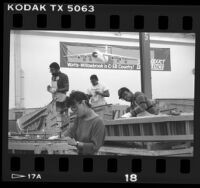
[111,57]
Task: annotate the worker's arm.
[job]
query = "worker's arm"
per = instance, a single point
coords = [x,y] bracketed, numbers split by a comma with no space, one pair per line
[71,130]
[62,90]
[141,105]
[49,88]
[104,93]
[89,93]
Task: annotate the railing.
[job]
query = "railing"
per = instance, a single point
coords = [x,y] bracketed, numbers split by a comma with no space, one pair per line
[151,128]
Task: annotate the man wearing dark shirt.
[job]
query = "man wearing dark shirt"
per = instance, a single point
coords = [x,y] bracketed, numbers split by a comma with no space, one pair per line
[87,132]
[59,85]
[139,102]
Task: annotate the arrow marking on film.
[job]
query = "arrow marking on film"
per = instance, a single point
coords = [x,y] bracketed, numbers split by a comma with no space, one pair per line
[15,176]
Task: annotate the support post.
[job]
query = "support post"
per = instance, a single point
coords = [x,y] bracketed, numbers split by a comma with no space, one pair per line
[19,73]
[145,64]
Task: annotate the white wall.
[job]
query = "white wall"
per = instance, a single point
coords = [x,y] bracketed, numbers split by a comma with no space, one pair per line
[179,82]
[38,51]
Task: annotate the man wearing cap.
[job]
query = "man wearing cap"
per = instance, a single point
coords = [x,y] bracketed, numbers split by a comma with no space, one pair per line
[140,104]
[59,85]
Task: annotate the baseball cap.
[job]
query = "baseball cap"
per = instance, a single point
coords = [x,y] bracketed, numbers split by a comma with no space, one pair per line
[121,91]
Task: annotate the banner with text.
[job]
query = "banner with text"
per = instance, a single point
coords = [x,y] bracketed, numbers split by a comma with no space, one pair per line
[119,58]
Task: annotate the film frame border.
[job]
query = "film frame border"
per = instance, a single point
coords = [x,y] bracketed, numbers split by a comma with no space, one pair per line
[175,170]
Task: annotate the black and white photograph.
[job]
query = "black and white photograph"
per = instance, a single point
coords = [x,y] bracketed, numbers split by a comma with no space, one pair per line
[101,93]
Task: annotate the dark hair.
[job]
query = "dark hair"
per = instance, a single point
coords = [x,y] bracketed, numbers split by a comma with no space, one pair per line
[93,77]
[54,65]
[121,91]
[77,96]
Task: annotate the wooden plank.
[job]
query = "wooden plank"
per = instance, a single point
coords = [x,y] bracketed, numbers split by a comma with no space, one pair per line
[157,129]
[22,146]
[151,119]
[154,129]
[147,129]
[150,138]
[119,107]
[168,128]
[25,125]
[185,145]
[130,128]
[143,152]
[60,148]
[125,129]
[179,152]
[124,151]
[141,129]
[115,116]
[112,130]
[191,127]
[187,127]
[121,130]
[38,148]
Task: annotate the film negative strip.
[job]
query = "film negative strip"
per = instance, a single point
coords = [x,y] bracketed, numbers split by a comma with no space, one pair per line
[101,93]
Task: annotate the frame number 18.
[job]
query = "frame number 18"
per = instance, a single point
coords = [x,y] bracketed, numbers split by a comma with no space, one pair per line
[131,177]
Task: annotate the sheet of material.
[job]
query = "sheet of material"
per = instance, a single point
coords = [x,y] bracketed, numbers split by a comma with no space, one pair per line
[156,138]
[64,148]
[38,148]
[145,63]
[25,119]
[185,152]
[151,119]
[145,152]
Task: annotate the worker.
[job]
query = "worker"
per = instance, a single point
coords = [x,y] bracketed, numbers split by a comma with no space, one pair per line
[140,104]
[87,132]
[59,84]
[58,89]
[97,92]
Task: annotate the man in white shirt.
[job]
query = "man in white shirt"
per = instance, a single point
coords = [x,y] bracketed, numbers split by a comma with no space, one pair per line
[97,92]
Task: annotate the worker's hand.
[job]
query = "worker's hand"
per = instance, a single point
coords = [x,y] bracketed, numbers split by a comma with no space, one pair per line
[128,109]
[132,112]
[53,90]
[48,88]
[98,93]
[72,142]
[127,115]
[53,137]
